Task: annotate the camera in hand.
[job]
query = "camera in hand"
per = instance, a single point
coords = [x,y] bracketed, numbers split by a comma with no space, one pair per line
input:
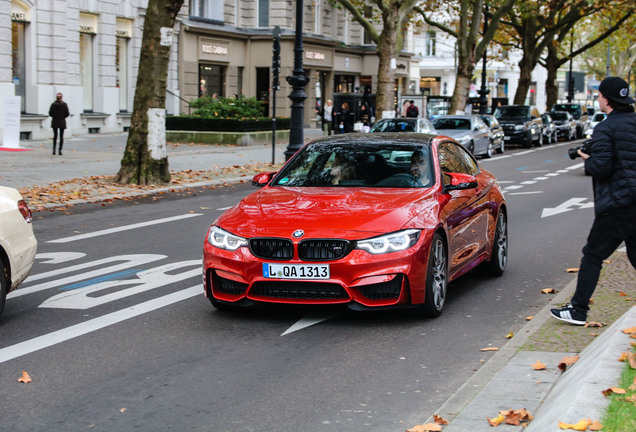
[585,148]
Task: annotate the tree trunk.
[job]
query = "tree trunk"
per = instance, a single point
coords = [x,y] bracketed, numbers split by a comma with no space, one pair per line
[385,94]
[552,65]
[465,72]
[145,159]
[530,58]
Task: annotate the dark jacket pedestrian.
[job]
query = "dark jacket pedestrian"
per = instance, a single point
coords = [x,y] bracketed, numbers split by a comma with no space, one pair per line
[345,120]
[611,161]
[58,113]
[412,110]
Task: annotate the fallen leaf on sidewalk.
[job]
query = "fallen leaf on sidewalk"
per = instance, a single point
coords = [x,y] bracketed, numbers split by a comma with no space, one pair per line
[428,427]
[566,362]
[25,378]
[538,366]
[439,420]
[496,421]
[582,425]
[489,349]
[510,335]
[630,331]
[622,294]
[596,426]
[613,390]
[548,291]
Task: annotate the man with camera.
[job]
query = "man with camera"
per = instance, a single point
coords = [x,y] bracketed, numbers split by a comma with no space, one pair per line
[610,158]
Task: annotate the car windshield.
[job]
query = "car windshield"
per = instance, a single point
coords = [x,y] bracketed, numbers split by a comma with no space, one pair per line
[451,123]
[559,116]
[394,125]
[598,117]
[511,112]
[356,164]
[575,110]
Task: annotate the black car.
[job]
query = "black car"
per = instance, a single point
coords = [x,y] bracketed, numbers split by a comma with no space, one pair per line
[521,124]
[580,114]
[549,129]
[565,124]
[497,132]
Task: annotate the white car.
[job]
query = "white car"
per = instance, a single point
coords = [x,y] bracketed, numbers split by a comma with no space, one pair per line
[596,119]
[17,241]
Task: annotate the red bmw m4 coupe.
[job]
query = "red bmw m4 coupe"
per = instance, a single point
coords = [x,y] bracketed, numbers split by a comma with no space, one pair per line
[368,220]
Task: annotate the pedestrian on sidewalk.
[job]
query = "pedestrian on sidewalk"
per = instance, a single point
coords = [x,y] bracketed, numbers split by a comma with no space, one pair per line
[610,159]
[327,118]
[58,112]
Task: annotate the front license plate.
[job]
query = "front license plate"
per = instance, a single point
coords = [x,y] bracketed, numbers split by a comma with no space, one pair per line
[506,138]
[296,271]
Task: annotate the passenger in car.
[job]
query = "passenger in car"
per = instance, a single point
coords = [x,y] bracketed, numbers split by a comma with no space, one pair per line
[342,169]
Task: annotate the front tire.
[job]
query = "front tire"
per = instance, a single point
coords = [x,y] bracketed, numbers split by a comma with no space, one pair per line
[501,148]
[489,150]
[4,286]
[499,254]
[436,279]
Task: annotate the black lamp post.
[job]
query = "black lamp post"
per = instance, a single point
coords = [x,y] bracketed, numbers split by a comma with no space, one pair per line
[483,92]
[298,81]
[570,77]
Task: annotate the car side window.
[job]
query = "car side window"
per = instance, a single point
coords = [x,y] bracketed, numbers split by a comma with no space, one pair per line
[450,161]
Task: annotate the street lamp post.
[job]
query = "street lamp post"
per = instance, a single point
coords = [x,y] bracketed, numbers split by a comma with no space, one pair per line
[298,81]
[483,92]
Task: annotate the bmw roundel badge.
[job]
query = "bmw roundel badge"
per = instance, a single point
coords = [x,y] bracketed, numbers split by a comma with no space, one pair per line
[298,233]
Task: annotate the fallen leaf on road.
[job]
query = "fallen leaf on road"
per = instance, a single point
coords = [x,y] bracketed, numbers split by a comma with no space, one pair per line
[566,362]
[25,378]
[613,390]
[513,417]
[489,349]
[572,270]
[582,425]
[548,291]
[529,318]
[622,294]
[538,366]
[439,420]
[510,335]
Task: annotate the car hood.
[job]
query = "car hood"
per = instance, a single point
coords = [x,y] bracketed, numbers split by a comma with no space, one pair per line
[351,213]
[513,120]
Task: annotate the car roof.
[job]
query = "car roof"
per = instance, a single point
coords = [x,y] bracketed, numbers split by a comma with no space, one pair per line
[377,137]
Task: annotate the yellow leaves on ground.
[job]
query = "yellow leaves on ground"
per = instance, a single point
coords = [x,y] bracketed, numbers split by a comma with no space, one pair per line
[548,291]
[25,378]
[430,427]
[510,335]
[538,366]
[629,357]
[630,331]
[489,349]
[512,417]
[614,390]
[582,425]
[572,270]
[529,318]
[594,324]
[566,362]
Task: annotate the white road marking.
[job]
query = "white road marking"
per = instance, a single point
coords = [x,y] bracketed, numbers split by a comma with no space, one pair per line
[58,257]
[526,193]
[68,333]
[309,320]
[529,182]
[540,178]
[570,204]
[535,171]
[124,228]
[224,208]
[577,166]
[513,187]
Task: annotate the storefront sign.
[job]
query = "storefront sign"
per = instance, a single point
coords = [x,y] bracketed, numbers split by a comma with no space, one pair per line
[11,130]
[314,55]
[87,29]
[214,49]
[18,16]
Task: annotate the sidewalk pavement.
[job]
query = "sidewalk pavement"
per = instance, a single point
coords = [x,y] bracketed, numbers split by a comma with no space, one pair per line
[507,381]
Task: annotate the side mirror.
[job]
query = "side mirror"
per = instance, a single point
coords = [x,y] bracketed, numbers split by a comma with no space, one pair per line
[263,179]
[459,181]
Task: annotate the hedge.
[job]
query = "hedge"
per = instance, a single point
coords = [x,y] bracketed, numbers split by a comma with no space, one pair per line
[189,123]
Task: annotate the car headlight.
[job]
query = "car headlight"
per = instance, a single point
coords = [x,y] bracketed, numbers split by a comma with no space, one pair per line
[225,240]
[397,241]
[520,127]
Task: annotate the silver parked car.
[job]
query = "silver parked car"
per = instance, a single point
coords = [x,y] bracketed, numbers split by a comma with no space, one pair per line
[496,130]
[469,130]
[17,242]
[565,124]
[403,124]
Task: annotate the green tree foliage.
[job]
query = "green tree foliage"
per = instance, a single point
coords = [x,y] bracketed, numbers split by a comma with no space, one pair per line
[230,108]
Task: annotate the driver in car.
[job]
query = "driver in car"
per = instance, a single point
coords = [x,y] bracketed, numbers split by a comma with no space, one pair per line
[419,168]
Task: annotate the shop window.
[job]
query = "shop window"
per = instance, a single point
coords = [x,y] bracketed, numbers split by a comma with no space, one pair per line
[19,63]
[316,11]
[263,13]
[86,70]
[208,9]
[211,80]
[430,86]
[344,84]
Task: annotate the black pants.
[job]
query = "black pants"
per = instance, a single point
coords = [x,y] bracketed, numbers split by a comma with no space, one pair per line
[55,133]
[607,233]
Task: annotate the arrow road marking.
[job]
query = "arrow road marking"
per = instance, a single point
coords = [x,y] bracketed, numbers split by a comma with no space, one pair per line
[309,320]
[570,204]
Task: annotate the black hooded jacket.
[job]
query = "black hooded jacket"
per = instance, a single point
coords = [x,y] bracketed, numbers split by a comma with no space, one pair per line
[612,163]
